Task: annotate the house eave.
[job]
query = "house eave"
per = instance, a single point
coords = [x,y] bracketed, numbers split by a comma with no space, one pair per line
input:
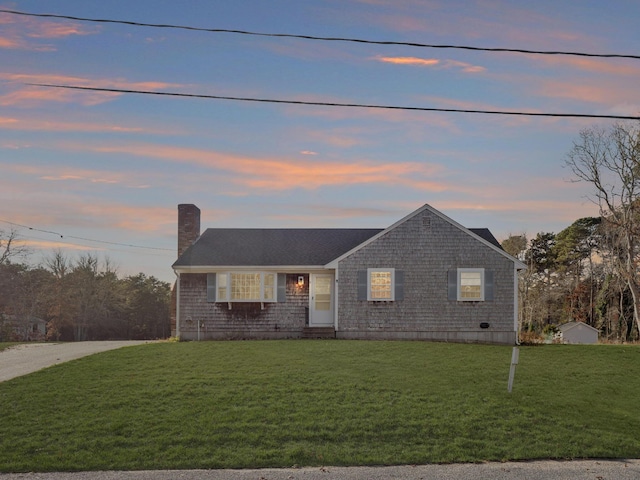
[250,268]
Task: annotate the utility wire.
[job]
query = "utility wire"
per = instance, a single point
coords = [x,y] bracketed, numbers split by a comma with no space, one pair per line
[84,245]
[333,104]
[83,238]
[329,39]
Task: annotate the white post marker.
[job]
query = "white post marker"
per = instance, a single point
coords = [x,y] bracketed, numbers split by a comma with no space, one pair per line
[512,370]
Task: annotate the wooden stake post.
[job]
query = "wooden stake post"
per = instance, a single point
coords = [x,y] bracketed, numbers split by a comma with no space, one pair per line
[512,371]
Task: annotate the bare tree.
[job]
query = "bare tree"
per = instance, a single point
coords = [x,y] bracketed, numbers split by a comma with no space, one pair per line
[609,159]
[58,264]
[516,245]
[10,246]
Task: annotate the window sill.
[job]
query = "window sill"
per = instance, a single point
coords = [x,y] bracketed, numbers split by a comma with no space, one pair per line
[230,304]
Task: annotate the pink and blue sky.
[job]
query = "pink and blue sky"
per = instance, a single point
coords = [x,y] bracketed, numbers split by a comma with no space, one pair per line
[113,167]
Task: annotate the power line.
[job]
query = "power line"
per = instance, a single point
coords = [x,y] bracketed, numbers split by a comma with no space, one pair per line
[329,39]
[83,238]
[64,241]
[333,104]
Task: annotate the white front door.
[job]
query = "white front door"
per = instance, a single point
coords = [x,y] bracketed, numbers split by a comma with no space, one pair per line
[321,300]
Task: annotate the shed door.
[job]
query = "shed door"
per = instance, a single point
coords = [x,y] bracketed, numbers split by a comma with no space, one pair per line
[321,300]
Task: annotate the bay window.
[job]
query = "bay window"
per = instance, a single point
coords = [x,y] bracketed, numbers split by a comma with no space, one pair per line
[242,287]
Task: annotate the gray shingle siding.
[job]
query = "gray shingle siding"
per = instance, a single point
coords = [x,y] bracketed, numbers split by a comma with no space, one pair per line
[425,248]
[244,320]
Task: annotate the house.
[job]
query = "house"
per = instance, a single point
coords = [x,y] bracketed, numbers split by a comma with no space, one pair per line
[578,332]
[425,277]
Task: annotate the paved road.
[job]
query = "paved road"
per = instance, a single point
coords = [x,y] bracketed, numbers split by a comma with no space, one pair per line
[544,470]
[31,357]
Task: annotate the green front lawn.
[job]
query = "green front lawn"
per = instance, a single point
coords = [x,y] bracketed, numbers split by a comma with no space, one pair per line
[284,403]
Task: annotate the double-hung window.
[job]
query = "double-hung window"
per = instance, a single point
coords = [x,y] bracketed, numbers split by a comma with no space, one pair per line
[380,284]
[471,285]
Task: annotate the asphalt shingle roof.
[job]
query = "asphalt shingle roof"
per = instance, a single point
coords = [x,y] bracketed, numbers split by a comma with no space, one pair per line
[486,234]
[274,246]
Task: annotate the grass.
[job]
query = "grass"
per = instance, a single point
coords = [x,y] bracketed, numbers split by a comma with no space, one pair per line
[283,403]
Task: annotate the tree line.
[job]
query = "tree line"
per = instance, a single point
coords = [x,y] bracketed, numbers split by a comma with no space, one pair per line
[79,299]
[588,272]
[572,276]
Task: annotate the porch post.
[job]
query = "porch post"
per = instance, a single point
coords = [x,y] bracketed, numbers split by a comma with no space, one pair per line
[336,293]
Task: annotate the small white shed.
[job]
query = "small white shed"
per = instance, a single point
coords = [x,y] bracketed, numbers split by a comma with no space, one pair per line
[578,332]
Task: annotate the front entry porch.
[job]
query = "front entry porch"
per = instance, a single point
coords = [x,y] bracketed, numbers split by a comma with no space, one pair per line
[318,332]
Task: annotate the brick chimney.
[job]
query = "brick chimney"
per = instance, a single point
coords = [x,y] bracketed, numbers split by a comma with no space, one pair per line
[188,226]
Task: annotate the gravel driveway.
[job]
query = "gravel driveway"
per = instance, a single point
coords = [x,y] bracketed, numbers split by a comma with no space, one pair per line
[31,357]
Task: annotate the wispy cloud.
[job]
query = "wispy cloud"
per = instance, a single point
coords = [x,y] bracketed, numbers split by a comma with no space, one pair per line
[6,42]
[60,30]
[280,174]
[613,85]
[71,216]
[22,94]
[53,173]
[432,62]
[568,89]
[465,67]
[40,124]
[131,218]
[479,23]
[317,215]
[341,138]
[415,61]
[618,67]
[525,211]
[40,244]
[26,33]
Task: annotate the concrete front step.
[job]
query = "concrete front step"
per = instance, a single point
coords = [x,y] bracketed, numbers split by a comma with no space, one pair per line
[319,332]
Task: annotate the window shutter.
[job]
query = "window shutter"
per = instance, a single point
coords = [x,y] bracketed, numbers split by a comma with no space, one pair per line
[362,285]
[282,287]
[488,285]
[399,285]
[211,287]
[453,284]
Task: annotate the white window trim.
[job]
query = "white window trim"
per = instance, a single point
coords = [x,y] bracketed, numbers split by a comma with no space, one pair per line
[459,284]
[262,299]
[393,284]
